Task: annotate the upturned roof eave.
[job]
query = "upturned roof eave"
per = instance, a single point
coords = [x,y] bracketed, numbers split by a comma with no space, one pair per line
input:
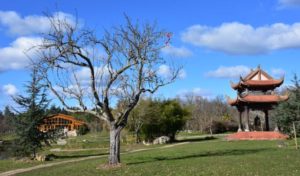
[238,100]
[243,84]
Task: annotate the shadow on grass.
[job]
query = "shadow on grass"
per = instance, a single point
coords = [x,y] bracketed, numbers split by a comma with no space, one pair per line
[197,139]
[53,156]
[206,154]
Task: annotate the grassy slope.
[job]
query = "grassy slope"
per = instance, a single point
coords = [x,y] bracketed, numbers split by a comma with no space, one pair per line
[10,164]
[198,158]
[91,140]
[92,144]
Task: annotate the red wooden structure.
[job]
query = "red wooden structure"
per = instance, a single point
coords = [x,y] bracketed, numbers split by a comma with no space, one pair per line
[61,121]
[256,92]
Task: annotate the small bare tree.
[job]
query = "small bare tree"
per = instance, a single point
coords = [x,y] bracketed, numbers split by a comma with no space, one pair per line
[90,74]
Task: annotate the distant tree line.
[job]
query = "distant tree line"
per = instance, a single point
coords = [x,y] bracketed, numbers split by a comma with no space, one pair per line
[155,117]
[6,117]
[209,115]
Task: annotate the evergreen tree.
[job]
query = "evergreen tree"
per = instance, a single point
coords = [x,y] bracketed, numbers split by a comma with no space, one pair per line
[289,111]
[173,118]
[8,113]
[54,110]
[31,114]
[2,122]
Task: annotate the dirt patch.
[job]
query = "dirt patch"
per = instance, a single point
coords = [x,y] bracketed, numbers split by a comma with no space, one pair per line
[110,167]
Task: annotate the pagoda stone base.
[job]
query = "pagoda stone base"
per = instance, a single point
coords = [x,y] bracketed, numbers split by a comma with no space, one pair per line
[257,135]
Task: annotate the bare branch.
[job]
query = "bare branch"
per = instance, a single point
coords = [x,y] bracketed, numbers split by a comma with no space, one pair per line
[127,69]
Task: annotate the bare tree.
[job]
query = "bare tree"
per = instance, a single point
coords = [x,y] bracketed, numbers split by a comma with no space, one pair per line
[204,112]
[94,73]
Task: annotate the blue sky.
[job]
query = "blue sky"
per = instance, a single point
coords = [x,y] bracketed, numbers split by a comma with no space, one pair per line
[214,40]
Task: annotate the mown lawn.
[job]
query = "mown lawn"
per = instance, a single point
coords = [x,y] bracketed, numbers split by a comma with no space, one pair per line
[211,157]
[11,164]
[98,142]
[92,144]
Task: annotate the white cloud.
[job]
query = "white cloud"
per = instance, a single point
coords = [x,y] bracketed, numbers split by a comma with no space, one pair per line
[32,24]
[182,74]
[166,72]
[199,91]
[243,39]
[83,75]
[195,91]
[278,72]
[10,89]
[16,56]
[288,3]
[229,72]
[177,51]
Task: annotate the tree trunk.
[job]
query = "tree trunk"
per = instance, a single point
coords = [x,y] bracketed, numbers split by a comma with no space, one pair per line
[137,138]
[34,153]
[172,137]
[210,127]
[114,149]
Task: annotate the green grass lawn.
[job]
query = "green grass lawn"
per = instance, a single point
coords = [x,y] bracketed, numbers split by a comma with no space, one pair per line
[11,164]
[192,133]
[89,141]
[201,156]
[212,157]
[92,144]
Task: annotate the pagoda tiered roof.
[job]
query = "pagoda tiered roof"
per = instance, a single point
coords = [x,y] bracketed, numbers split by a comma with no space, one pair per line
[257,88]
[257,79]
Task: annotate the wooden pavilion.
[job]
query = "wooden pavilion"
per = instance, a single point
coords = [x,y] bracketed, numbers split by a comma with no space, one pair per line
[61,121]
[256,92]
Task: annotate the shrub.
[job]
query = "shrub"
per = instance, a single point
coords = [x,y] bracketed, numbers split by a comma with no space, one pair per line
[222,127]
[82,130]
[167,121]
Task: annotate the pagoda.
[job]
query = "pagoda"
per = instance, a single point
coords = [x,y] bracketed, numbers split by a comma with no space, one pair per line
[256,92]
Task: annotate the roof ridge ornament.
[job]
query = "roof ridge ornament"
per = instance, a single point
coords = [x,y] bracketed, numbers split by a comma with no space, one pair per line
[241,78]
[232,83]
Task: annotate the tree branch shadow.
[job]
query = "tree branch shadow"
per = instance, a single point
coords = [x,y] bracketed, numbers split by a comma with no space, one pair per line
[74,156]
[207,138]
[233,152]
